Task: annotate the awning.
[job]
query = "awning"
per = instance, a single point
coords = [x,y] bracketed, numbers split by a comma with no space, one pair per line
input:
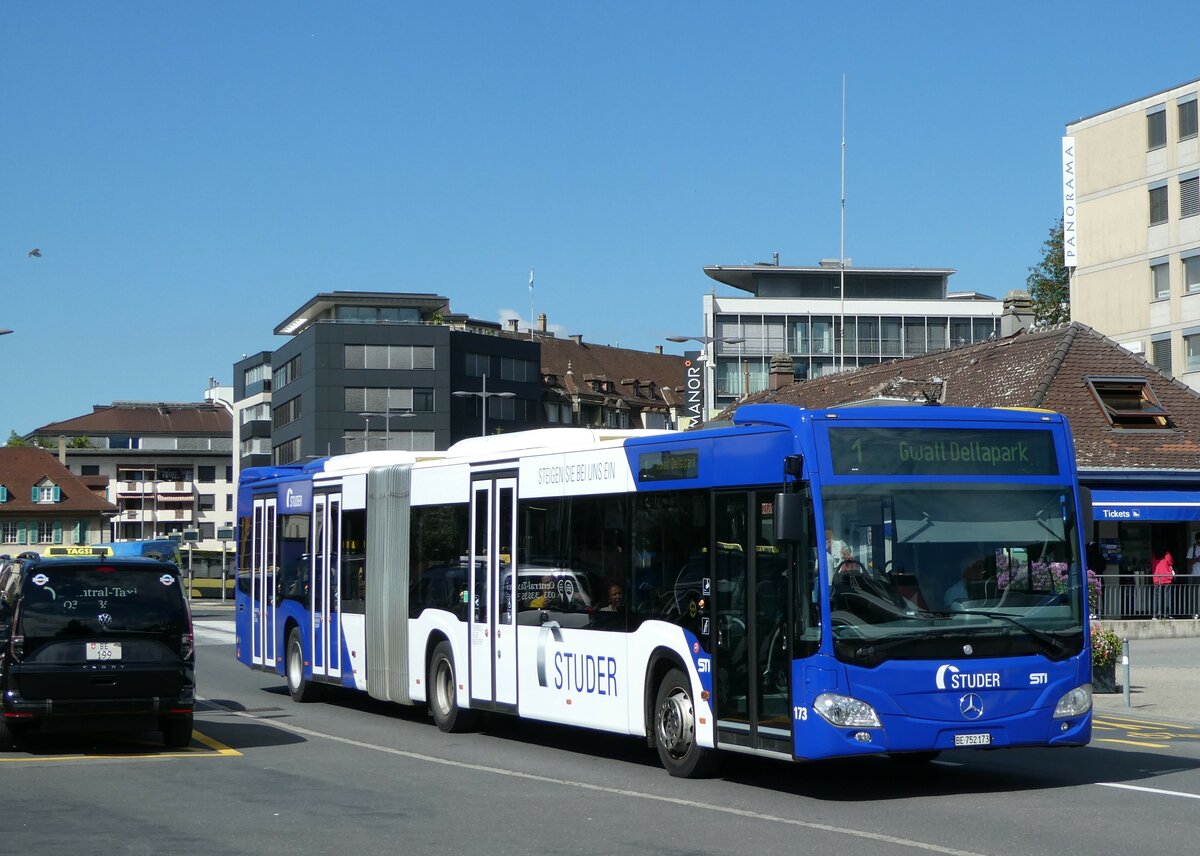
[1138,505]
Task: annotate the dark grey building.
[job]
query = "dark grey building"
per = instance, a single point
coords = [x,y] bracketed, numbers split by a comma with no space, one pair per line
[367,370]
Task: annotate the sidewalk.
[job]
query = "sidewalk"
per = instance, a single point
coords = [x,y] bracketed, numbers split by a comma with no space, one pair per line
[1164,680]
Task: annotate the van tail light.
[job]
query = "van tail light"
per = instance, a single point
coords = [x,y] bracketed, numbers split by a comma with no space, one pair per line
[187,644]
[17,646]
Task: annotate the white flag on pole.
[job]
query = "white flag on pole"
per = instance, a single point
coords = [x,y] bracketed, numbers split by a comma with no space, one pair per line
[531,280]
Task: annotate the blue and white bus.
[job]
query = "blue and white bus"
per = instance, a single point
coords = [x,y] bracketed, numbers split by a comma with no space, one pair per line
[797,584]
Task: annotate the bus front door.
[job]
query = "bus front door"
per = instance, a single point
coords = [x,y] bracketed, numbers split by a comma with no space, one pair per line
[262,583]
[752,658]
[324,601]
[493,563]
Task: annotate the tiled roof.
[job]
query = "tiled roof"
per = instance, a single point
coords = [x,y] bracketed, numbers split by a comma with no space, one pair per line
[21,467]
[642,379]
[145,418]
[1047,369]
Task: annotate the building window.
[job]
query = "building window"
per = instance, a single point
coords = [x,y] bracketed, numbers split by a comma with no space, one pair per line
[478,365]
[522,371]
[1189,196]
[1191,347]
[229,473]
[1160,280]
[1191,273]
[255,374]
[1187,119]
[287,453]
[1156,128]
[89,469]
[47,493]
[206,474]
[287,372]
[889,345]
[1128,402]
[1160,354]
[1158,205]
[208,502]
[256,413]
[256,446]
[287,413]
[8,532]
[45,532]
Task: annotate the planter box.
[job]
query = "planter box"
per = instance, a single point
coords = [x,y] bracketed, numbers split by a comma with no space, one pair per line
[1104,678]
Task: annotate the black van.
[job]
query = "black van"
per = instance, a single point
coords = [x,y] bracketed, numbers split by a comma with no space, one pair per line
[95,644]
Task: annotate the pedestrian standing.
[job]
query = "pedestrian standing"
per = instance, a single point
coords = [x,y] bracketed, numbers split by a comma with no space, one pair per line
[1164,574]
[1194,556]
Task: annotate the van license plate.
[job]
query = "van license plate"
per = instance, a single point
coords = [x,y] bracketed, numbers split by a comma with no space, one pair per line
[104,650]
[972,739]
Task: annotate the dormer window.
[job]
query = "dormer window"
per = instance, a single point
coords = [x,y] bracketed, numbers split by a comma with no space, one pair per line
[1129,403]
[46,493]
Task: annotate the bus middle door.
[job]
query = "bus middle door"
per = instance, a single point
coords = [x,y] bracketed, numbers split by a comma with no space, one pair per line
[325,602]
[493,566]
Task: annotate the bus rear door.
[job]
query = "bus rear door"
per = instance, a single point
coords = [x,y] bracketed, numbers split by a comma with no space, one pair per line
[325,603]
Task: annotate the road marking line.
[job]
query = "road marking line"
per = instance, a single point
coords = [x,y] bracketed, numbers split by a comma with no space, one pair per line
[516,774]
[1133,743]
[1149,790]
[1124,722]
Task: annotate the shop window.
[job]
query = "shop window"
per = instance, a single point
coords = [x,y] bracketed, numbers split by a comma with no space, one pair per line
[1129,403]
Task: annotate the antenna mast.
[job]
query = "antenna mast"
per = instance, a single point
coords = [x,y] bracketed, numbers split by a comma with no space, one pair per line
[842,257]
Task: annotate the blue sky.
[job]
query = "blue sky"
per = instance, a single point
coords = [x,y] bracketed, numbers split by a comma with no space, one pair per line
[192,173]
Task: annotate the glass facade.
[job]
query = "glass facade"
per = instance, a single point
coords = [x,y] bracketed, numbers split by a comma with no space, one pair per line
[816,342]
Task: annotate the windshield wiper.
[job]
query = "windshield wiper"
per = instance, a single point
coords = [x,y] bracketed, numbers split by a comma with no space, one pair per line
[1048,638]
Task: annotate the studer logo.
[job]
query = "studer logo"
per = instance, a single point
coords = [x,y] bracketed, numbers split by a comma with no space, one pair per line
[950,678]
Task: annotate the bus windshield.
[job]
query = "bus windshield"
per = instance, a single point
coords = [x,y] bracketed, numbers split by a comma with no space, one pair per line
[922,571]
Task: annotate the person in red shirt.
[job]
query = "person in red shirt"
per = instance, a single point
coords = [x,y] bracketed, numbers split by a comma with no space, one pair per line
[1164,574]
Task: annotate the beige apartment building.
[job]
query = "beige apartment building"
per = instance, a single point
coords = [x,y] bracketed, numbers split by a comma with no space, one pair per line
[1131,202]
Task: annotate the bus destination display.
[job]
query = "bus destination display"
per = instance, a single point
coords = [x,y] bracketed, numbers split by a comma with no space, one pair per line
[943,452]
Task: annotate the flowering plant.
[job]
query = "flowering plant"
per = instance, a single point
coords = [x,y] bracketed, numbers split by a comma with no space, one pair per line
[1043,576]
[1106,647]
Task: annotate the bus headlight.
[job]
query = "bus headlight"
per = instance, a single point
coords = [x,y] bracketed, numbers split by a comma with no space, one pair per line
[845,712]
[1078,701]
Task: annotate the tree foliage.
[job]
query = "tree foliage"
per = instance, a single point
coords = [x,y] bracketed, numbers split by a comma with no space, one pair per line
[14,439]
[1049,282]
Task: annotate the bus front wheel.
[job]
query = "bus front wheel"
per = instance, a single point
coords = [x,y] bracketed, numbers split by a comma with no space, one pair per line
[443,692]
[675,730]
[300,688]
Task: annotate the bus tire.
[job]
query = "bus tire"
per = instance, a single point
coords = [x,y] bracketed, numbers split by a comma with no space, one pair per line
[177,731]
[299,688]
[675,730]
[443,692]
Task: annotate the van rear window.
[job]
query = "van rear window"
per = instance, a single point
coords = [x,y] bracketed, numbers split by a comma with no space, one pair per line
[65,602]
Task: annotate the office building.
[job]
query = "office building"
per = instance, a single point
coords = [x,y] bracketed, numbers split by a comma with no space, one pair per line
[1131,179]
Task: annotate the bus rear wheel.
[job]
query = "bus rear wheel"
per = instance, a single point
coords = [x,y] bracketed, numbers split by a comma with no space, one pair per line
[443,692]
[300,688]
[675,730]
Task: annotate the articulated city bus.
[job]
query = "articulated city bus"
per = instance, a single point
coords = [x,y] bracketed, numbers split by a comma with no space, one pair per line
[798,584]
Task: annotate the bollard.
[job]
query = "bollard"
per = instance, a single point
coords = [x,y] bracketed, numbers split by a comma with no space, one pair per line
[1125,663]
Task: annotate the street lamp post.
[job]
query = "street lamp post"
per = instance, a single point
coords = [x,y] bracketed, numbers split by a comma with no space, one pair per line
[367,430]
[483,395]
[387,421]
[705,343]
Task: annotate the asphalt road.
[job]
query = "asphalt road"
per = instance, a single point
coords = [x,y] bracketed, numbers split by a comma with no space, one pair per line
[351,775]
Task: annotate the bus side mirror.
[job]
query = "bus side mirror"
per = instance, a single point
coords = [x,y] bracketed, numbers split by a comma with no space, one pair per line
[791,518]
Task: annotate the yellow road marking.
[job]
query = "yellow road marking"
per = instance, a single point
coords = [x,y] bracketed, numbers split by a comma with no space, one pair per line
[1124,722]
[1134,743]
[220,750]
